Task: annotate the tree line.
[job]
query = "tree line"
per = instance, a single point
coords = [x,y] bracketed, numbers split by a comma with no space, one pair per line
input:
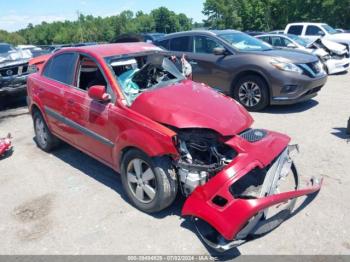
[259,15]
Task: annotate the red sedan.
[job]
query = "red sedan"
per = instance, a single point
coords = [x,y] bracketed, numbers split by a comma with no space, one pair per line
[128,106]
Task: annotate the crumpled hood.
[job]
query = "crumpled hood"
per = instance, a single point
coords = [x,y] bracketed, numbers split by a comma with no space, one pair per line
[192,105]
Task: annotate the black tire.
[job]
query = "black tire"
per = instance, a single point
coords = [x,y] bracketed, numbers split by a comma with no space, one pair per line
[51,141]
[263,91]
[164,182]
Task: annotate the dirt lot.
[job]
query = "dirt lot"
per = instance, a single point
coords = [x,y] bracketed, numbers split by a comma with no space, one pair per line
[68,203]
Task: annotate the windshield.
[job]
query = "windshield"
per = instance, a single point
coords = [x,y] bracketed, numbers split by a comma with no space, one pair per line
[142,73]
[299,40]
[5,49]
[244,42]
[329,29]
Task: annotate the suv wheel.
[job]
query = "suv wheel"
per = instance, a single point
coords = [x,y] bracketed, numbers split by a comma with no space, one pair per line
[251,91]
[43,137]
[150,183]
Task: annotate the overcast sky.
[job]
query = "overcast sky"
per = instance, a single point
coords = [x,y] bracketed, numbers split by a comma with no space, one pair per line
[17,14]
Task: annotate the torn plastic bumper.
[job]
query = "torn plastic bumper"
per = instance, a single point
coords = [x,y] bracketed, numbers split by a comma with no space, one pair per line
[235,211]
[5,145]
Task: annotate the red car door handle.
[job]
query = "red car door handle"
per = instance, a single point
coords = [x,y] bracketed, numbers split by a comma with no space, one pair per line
[70,101]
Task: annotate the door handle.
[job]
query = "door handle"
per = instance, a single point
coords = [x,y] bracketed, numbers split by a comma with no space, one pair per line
[193,62]
[70,101]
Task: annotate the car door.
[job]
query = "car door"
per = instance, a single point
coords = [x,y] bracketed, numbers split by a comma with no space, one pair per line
[313,32]
[57,78]
[87,117]
[207,67]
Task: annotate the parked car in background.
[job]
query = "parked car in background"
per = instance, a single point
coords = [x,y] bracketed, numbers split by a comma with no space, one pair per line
[32,49]
[129,107]
[313,31]
[254,33]
[248,69]
[334,56]
[13,71]
[138,37]
[339,30]
[277,32]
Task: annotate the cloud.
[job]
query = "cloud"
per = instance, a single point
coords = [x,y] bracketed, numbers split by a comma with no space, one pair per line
[14,22]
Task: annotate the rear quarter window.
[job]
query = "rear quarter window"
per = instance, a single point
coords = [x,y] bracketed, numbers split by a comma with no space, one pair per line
[295,29]
[61,68]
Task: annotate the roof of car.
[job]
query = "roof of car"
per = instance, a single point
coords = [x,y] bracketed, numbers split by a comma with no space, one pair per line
[205,32]
[107,50]
[306,23]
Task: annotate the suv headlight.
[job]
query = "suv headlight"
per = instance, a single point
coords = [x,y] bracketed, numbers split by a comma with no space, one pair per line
[289,67]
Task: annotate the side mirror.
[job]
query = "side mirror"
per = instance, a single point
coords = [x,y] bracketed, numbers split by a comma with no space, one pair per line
[321,33]
[220,51]
[291,45]
[99,93]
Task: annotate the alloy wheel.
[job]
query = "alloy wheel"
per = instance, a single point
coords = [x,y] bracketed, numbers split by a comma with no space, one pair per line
[41,132]
[249,94]
[141,180]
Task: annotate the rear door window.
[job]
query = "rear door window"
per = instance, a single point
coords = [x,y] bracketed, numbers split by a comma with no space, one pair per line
[180,44]
[295,29]
[61,68]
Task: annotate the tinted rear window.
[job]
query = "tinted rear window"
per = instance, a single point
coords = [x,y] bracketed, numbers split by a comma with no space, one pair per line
[180,44]
[295,29]
[61,68]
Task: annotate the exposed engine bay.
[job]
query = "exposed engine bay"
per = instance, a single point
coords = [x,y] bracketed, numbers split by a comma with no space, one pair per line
[203,154]
[142,73]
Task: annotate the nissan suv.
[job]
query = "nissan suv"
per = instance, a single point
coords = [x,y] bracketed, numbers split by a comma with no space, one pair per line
[248,69]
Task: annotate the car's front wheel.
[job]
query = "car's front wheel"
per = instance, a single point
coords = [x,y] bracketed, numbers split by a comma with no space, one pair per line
[252,92]
[150,183]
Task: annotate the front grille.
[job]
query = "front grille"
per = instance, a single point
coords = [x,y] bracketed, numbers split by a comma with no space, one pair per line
[253,135]
[14,70]
[311,69]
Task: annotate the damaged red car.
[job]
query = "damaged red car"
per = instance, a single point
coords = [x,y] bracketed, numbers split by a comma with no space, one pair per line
[128,106]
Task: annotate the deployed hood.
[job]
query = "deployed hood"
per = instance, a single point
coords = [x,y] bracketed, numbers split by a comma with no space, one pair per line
[192,105]
[297,57]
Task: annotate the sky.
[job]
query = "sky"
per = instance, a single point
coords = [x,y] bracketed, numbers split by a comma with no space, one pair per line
[17,14]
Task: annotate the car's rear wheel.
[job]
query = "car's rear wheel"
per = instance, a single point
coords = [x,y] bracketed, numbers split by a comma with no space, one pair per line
[252,92]
[43,137]
[150,183]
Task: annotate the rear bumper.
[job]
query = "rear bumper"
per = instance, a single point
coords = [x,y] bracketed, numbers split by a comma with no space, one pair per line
[230,219]
[13,85]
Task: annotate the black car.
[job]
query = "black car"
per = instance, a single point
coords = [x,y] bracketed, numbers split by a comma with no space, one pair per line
[248,69]
[13,71]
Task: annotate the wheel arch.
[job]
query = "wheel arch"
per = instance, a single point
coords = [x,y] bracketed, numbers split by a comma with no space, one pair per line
[247,73]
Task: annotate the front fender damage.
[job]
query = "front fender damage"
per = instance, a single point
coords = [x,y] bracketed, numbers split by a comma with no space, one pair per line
[246,199]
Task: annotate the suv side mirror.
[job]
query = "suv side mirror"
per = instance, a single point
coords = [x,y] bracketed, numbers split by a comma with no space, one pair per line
[321,33]
[220,51]
[98,93]
[291,45]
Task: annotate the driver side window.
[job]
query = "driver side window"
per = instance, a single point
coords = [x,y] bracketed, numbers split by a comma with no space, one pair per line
[314,30]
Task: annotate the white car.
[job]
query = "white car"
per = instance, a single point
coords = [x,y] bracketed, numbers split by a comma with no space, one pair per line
[313,31]
[334,56]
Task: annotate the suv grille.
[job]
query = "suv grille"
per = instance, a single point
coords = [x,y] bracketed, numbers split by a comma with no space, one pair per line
[14,70]
[311,69]
[253,135]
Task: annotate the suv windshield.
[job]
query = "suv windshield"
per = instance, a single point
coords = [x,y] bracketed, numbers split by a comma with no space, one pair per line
[299,40]
[329,29]
[244,42]
[146,72]
[5,49]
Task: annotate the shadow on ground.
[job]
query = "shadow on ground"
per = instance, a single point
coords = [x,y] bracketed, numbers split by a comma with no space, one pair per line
[341,133]
[111,179]
[12,102]
[291,109]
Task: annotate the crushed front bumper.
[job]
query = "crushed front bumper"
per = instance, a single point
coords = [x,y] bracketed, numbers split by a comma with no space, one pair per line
[234,218]
[13,85]
[335,66]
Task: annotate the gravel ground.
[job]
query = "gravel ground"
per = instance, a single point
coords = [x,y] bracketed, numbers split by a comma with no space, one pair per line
[68,203]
